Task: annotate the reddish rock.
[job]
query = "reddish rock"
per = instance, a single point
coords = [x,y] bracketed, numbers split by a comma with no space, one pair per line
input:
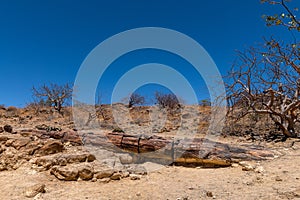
[19,143]
[72,137]
[51,147]
[56,134]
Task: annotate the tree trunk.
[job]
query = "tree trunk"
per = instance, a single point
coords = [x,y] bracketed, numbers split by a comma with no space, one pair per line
[187,152]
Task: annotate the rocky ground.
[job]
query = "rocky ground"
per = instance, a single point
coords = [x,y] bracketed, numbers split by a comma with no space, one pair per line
[43,157]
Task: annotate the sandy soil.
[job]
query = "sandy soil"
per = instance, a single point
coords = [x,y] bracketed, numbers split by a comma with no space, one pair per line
[279,180]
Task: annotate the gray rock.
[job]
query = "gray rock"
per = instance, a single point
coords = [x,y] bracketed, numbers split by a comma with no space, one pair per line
[125,159]
[136,169]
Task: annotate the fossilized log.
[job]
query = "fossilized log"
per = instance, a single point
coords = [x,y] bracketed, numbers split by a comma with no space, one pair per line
[195,152]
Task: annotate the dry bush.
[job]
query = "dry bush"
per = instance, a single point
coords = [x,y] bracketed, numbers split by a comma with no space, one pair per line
[54,94]
[12,111]
[169,101]
[136,99]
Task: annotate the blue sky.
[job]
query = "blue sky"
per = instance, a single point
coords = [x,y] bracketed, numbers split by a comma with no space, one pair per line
[46,41]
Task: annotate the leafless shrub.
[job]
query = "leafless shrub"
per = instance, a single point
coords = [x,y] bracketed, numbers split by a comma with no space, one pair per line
[167,100]
[136,99]
[266,81]
[55,95]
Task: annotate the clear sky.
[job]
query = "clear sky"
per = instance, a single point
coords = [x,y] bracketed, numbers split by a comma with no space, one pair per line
[46,41]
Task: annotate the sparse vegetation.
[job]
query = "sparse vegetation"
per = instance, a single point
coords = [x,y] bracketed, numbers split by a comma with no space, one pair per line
[266,81]
[136,99]
[169,101]
[53,94]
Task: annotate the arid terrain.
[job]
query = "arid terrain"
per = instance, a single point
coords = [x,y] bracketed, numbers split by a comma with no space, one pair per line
[44,156]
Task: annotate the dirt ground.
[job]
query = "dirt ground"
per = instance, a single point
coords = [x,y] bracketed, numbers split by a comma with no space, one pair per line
[280,179]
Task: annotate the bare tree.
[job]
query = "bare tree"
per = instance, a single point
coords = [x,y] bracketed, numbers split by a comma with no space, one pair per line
[287,18]
[100,107]
[56,95]
[136,99]
[266,81]
[167,100]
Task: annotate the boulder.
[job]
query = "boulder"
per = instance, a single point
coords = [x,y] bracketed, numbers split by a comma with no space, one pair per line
[19,143]
[85,171]
[46,162]
[66,173]
[102,171]
[51,147]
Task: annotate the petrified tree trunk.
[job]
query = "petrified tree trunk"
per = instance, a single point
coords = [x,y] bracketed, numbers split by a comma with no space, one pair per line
[195,152]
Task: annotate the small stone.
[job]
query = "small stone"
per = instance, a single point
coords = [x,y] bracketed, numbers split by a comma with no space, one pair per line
[3,138]
[296,193]
[137,169]
[259,169]
[104,180]
[125,159]
[116,176]
[246,166]
[234,165]
[209,194]
[135,177]
[277,178]
[35,190]
[125,174]
[8,128]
